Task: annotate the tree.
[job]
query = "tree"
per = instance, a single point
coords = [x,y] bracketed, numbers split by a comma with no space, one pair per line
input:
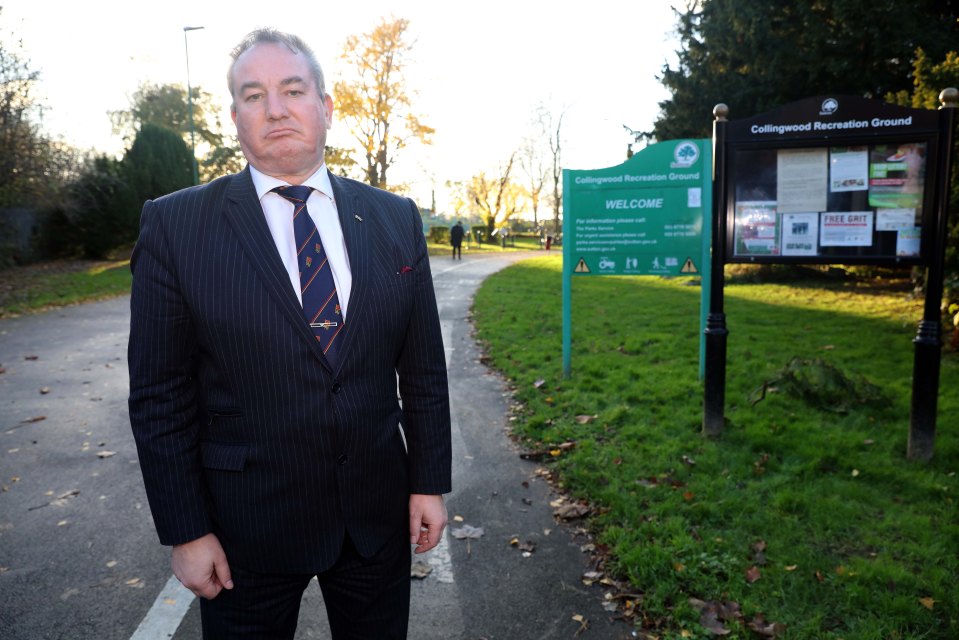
[26,154]
[103,210]
[929,79]
[338,160]
[494,199]
[167,106]
[533,165]
[158,162]
[755,55]
[376,103]
[553,125]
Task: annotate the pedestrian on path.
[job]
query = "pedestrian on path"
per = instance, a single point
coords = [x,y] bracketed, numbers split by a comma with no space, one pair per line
[456,239]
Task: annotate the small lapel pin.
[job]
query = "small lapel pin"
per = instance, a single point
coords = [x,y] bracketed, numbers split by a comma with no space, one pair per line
[358,217]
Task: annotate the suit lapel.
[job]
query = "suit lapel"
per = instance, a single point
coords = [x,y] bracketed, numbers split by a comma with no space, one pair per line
[246,217]
[355,221]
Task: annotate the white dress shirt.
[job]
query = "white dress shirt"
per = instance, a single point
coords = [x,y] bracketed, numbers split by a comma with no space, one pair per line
[279,217]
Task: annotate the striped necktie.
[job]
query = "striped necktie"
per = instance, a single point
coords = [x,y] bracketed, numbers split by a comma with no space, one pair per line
[317,287]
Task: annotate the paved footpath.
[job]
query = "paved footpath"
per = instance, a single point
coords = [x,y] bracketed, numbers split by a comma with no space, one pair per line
[79,557]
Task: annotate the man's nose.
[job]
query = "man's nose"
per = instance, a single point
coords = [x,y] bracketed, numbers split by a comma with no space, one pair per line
[275,106]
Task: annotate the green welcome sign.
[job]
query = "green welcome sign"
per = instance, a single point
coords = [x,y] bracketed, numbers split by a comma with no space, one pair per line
[643,217]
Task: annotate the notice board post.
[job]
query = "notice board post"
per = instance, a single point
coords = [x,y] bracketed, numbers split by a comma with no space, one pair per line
[835,180]
[714,380]
[928,340]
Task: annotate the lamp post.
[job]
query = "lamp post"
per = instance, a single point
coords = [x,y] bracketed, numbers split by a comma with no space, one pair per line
[189,97]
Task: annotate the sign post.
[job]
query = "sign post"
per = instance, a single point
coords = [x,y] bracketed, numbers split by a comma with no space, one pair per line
[643,217]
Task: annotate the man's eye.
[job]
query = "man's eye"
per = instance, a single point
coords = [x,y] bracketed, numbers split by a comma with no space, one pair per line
[294,92]
[254,97]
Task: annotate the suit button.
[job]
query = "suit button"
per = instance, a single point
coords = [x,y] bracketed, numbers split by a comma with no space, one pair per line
[336,387]
[342,459]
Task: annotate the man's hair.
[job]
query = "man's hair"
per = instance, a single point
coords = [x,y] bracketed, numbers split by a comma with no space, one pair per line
[292,42]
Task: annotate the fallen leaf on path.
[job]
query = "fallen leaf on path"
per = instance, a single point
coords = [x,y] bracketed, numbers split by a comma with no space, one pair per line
[69,593]
[752,574]
[572,511]
[31,357]
[44,390]
[419,570]
[583,624]
[467,532]
[532,455]
[106,454]
[591,576]
[33,419]
[59,501]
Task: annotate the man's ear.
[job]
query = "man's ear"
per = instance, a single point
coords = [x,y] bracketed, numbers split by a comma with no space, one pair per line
[328,103]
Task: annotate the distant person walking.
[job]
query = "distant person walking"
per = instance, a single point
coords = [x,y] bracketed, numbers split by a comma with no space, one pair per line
[456,239]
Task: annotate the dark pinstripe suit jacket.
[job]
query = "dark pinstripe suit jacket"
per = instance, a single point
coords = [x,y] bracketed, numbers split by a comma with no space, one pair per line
[241,425]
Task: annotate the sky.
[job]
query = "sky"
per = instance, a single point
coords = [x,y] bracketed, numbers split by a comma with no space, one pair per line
[477,71]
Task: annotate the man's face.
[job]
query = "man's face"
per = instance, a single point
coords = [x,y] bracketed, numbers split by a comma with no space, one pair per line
[281,119]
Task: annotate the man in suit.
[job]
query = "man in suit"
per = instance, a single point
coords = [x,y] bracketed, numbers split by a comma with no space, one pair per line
[273,446]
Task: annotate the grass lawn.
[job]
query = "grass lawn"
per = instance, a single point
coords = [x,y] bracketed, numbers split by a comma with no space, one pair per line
[55,284]
[803,514]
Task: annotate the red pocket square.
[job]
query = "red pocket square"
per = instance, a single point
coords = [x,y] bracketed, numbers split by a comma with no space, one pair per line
[406,269]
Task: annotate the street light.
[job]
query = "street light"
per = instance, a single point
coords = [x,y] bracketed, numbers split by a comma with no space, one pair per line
[189,97]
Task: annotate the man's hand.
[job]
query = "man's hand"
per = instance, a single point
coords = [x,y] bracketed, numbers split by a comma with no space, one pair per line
[427,521]
[200,566]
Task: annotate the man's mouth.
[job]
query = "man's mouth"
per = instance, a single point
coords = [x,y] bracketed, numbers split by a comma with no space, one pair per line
[279,133]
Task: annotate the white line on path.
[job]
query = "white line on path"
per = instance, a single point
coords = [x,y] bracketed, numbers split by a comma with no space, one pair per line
[440,559]
[164,617]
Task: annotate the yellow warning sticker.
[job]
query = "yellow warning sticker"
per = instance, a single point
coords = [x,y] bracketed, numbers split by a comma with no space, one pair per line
[689,267]
[581,267]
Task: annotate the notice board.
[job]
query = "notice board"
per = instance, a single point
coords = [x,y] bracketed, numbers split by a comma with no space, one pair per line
[834,180]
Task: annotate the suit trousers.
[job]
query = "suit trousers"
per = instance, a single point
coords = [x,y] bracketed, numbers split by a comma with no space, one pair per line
[365,598]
